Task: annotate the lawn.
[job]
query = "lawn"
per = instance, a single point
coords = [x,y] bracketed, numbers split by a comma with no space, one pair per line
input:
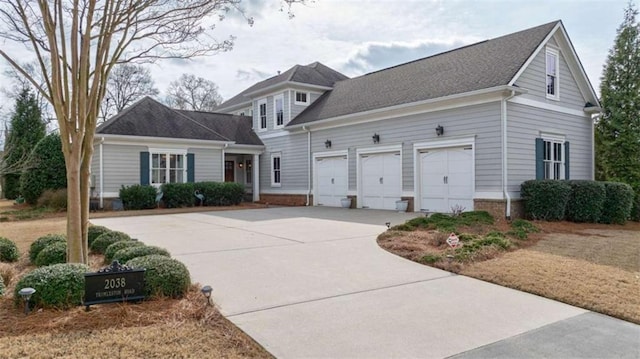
[158,328]
[593,266]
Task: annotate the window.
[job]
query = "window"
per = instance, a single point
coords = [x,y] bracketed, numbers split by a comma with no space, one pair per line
[552,74]
[241,113]
[278,109]
[276,165]
[302,98]
[262,105]
[167,168]
[248,171]
[553,160]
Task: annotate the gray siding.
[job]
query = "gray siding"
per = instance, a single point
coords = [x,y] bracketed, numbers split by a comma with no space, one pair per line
[208,164]
[297,109]
[121,165]
[270,113]
[525,124]
[481,121]
[294,163]
[534,80]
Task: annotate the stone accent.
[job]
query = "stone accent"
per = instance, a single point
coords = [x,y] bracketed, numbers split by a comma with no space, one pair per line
[285,199]
[498,207]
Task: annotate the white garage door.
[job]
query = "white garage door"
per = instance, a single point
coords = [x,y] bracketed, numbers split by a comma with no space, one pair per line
[447,179]
[381,180]
[331,180]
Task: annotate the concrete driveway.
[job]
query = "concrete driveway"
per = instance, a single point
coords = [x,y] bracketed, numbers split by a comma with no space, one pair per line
[311,282]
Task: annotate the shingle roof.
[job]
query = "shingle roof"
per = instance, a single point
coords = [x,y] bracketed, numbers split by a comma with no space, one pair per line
[478,66]
[313,74]
[149,118]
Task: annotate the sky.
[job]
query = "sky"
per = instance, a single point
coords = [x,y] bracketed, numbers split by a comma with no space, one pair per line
[359,36]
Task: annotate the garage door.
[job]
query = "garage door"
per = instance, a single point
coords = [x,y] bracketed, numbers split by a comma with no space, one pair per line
[381,180]
[331,180]
[447,179]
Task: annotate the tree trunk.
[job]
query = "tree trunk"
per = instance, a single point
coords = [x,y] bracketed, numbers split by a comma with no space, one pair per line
[76,237]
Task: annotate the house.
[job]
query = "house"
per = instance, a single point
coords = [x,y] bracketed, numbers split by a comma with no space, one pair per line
[457,130]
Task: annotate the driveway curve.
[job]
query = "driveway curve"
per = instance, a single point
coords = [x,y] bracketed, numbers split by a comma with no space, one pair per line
[312,282]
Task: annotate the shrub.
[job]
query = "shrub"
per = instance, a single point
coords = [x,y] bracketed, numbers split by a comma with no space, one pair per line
[521,229]
[7,273]
[50,171]
[492,239]
[117,246]
[164,276]
[220,193]
[445,222]
[618,203]
[138,197]
[176,195]
[54,199]
[54,253]
[431,258]
[57,286]
[545,199]
[95,232]
[8,250]
[586,201]
[635,211]
[42,242]
[126,254]
[106,239]
[232,193]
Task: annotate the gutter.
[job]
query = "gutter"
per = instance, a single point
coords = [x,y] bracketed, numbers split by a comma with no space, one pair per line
[308,164]
[505,177]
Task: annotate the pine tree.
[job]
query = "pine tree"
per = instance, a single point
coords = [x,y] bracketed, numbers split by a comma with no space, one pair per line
[618,129]
[25,131]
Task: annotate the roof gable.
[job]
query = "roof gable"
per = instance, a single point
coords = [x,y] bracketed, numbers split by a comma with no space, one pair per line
[474,67]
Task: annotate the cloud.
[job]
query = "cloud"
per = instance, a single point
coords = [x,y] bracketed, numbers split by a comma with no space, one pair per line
[251,75]
[376,56]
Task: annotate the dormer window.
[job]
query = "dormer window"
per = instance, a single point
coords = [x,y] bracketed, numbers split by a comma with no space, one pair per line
[552,74]
[302,98]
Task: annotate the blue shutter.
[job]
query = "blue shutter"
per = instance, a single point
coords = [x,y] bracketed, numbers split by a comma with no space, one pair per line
[191,171]
[144,168]
[566,161]
[539,158]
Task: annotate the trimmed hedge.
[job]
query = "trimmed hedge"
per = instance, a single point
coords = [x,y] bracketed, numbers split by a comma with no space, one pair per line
[54,253]
[42,242]
[176,195]
[635,210]
[58,286]
[138,197]
[106,239]
[95,232]
[163,276]
[220,193]
[586,201]
[545,199]
[110,252]
[8,250]
[618,203]
[126,254]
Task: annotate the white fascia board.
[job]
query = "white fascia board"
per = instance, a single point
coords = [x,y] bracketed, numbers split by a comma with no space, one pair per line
[550,107]
[286,84]
[158,141]
[245,149]
[235,107]
[477,97]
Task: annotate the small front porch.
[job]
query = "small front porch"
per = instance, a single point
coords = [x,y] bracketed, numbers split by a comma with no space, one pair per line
[243,168]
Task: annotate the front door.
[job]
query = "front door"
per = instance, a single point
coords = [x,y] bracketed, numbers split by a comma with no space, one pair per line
[229,171]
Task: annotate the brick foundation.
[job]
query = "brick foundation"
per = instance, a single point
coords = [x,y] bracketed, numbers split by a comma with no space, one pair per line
[497,207]
[285,199]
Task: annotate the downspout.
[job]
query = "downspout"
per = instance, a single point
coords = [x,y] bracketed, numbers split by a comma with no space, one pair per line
[222,168]
[101,175]
[308,164]
[505,177]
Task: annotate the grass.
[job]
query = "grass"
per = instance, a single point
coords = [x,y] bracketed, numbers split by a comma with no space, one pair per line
[593,266]
[158,328]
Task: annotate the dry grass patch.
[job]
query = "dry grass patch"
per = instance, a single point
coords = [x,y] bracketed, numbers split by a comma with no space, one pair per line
[25,232]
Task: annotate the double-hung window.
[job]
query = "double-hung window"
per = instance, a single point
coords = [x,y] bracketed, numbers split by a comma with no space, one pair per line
[276,169]
[553,159]
[552,66]
[278,110]
[168,168]
[262,112]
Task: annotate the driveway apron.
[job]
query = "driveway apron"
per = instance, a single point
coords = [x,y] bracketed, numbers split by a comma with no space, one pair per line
[312,282]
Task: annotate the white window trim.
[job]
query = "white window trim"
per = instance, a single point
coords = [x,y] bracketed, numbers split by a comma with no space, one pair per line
[259,125]
[273,183]
[556,54]
[167,152]
[275,114]
[560,139]
[295,98]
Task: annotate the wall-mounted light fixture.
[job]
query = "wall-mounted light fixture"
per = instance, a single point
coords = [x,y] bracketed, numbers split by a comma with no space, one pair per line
[439,130]
[327,144]
[376,138]
[240,165]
